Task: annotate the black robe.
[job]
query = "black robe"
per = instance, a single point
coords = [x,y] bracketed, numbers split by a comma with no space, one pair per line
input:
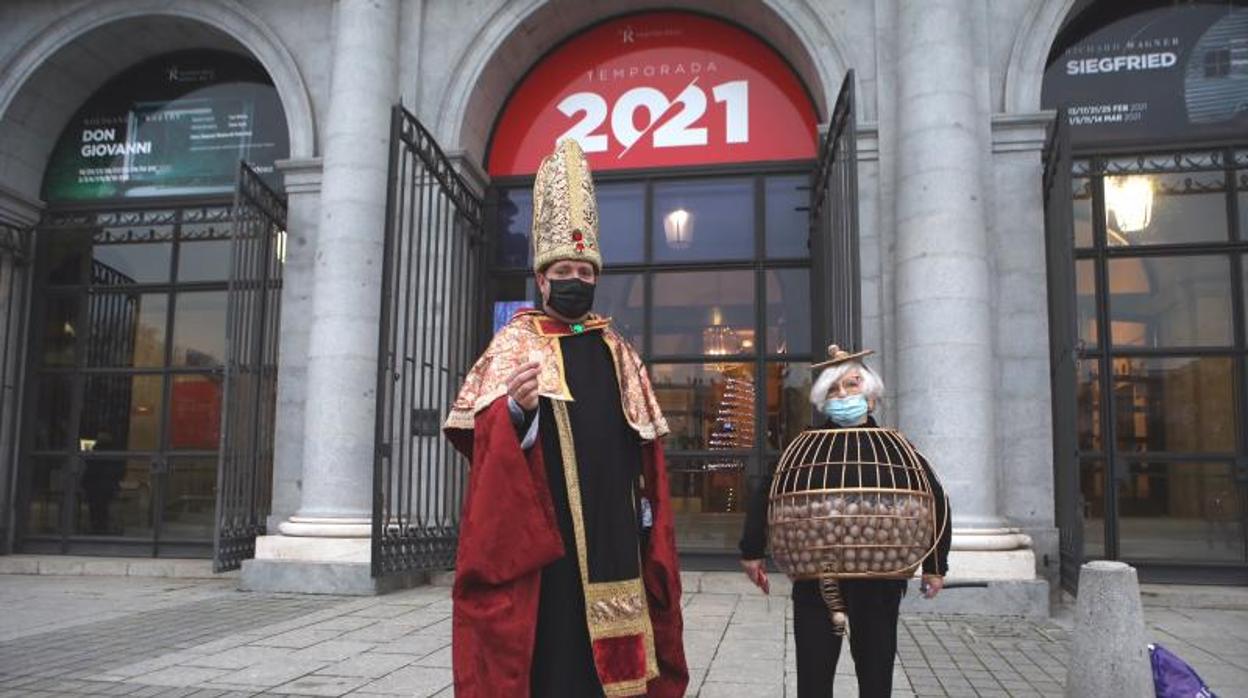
[609,463]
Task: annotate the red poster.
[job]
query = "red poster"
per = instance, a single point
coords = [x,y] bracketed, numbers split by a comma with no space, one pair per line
[659,89]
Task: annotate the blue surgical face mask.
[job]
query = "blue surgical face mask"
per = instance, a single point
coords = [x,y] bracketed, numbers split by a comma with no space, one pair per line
[846,411]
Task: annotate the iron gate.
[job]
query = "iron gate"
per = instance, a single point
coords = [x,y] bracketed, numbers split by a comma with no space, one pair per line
[431,281]
[836,281]
[14,256]
[249,390]
[1063,347]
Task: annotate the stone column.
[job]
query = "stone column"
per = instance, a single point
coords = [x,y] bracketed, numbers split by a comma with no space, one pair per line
[331,528]
[945,356]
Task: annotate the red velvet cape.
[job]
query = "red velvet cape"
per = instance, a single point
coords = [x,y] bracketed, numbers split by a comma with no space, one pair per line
[508,533]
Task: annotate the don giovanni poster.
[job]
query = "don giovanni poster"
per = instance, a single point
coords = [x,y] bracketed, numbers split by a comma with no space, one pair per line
[1177,72]
[177,125]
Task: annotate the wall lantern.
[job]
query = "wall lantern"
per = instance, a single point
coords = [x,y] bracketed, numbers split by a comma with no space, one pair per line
[1129,202]
[678,227]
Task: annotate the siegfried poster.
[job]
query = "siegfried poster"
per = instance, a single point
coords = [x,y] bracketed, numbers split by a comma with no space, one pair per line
[177,125]
[1171,73]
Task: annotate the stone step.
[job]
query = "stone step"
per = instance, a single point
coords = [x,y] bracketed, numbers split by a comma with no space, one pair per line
[91,566]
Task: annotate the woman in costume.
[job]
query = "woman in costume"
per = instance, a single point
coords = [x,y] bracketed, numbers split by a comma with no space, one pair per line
[846,395]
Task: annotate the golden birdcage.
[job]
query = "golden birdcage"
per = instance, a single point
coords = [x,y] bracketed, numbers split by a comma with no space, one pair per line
[851,503]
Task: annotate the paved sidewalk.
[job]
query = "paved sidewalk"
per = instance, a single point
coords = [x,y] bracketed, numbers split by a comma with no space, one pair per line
[174,637]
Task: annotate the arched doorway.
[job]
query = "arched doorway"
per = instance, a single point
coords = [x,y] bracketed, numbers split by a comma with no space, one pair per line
[134,264]
[703,141]
[1152,447]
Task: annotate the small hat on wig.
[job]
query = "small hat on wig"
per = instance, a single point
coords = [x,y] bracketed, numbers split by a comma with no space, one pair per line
[837,355]
[565,209]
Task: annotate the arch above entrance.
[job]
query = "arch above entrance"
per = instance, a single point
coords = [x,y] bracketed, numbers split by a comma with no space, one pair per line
[75,40]
[1024,76]
[511,41]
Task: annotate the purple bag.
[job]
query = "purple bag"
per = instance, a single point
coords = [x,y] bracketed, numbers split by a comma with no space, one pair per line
[1175,678]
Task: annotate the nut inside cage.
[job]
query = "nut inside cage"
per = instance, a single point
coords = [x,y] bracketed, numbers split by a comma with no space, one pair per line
[850,503]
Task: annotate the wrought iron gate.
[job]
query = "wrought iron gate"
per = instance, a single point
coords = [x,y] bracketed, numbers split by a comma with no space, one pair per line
[431,281]
[1063,347]
[14,256]
[836,281]
[249,390]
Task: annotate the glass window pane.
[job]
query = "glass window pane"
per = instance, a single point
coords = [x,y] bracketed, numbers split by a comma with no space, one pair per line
[1181,511]
[142,263]
[709,497]
[204,261]
[60,330]
[1170,301]
[121,413]
[703,312]
[127,329]
[622,223]
[1092,488]
[1183,405]
[53,412]
[788,311]
[45,495]
[199,329]
[708,406]
[513,292]
[788,220]
[1083,211]
[195,412]
[703,220]
[1085,302]
[1088,391]
[115,497]
[190,500]
[515,223]
[66,257]
[788,402]
[622,297]
[1148,209]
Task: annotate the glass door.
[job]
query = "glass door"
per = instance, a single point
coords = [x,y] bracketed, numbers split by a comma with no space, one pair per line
[128,339]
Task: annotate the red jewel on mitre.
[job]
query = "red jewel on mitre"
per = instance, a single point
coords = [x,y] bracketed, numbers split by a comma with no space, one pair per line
[576,236]
[580,247]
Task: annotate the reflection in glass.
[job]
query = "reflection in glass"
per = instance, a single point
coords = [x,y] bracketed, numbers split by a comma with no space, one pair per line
[1088,396]
[709,497]
[190,499]
[127,329]
[1170,301]
[120,413]
[1183,405]
[52,414]
[621,297]
[787,217]
[708,407]
[622,223]
[687,304]
[130,263]
[1181,511]
[195,412]
[1085,301]
[60,330]
[1148,209]
[515,223]
[703,220]
[1092,489]
[199,329]
[1083,212]
[788,311]
[788,402]
[45,495]
[115,497]
[207,260]
[67,253]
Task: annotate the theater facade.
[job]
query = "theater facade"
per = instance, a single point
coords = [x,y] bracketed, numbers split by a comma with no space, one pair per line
[249,248]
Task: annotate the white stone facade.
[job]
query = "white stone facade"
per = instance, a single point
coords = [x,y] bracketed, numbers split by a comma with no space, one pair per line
[952,85]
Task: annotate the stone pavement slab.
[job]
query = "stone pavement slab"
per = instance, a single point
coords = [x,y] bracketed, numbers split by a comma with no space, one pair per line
[132,636]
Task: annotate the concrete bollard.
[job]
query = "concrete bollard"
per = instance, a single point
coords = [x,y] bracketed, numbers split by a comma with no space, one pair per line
[1108,653]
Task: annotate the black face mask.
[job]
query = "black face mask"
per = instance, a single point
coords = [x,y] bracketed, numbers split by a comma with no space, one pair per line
[571,298]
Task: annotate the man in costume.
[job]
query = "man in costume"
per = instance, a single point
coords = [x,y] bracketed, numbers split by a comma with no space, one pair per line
[566,579]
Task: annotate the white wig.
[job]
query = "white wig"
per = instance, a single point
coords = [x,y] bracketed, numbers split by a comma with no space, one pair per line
[872,385]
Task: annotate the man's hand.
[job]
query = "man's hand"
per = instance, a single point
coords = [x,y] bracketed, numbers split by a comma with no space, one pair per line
[932,584]
[757,572]
[522,385]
